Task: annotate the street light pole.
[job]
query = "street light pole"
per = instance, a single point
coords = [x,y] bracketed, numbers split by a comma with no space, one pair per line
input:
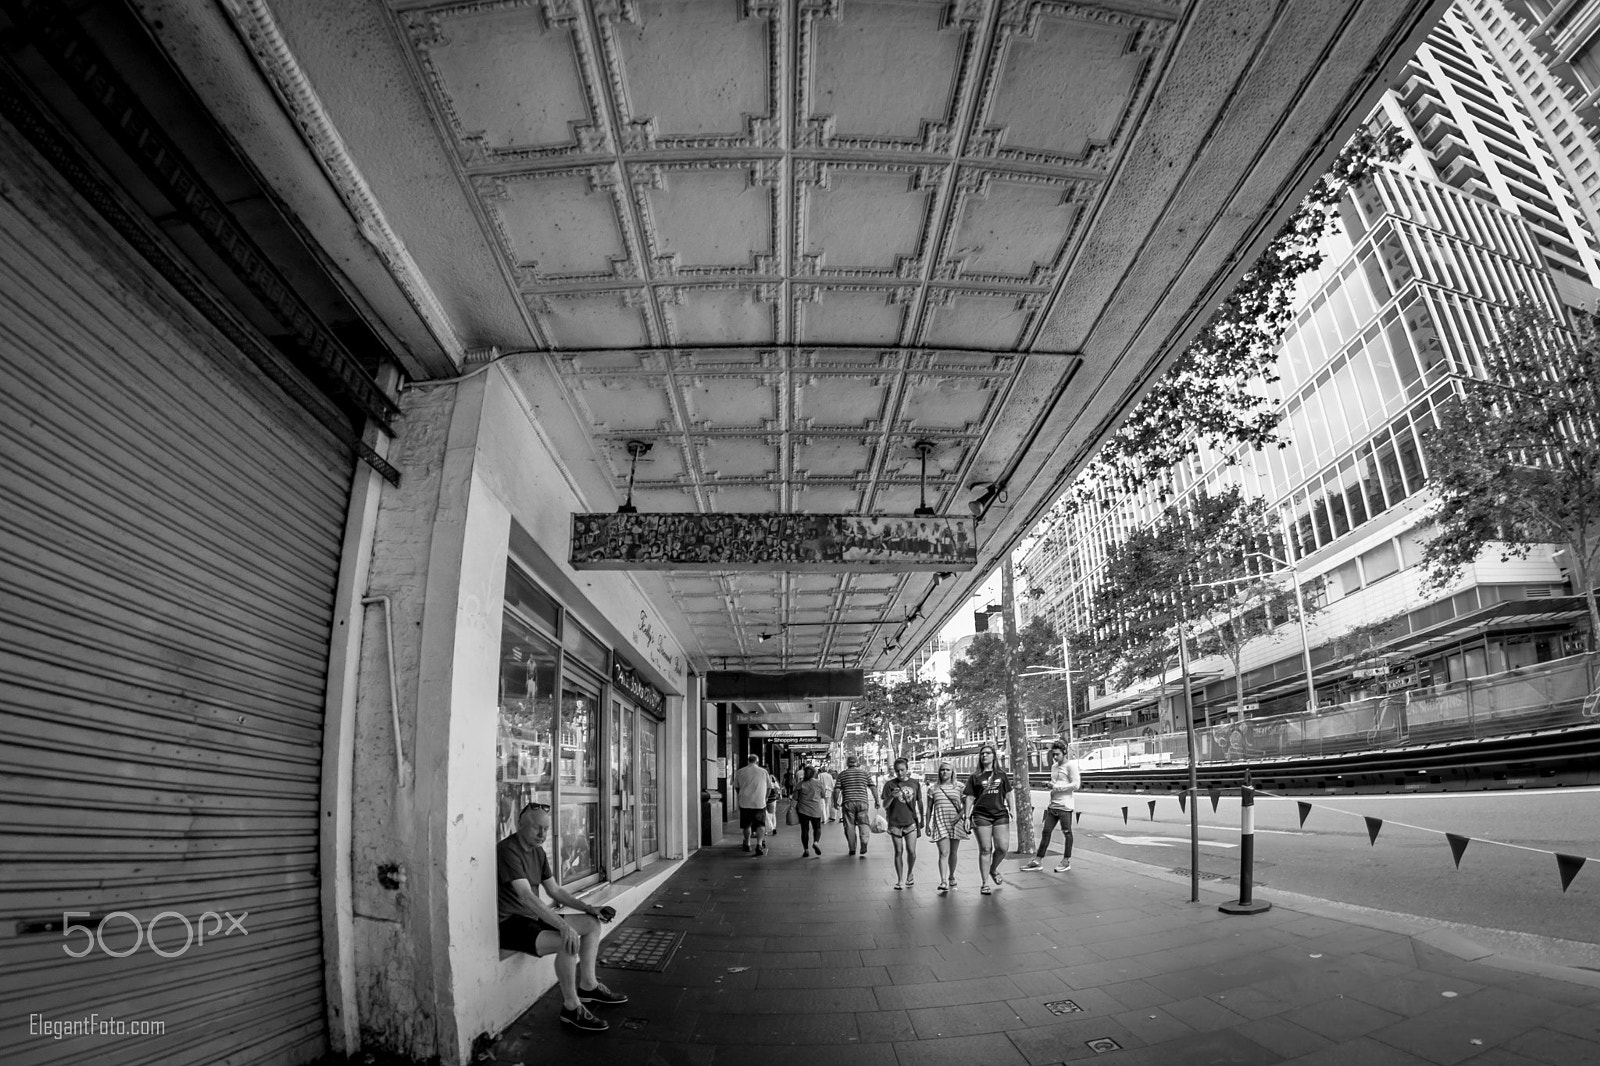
[1066,666]
[1194,773]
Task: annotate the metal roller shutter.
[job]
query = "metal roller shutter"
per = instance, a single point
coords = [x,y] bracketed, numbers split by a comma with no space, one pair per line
[168,548]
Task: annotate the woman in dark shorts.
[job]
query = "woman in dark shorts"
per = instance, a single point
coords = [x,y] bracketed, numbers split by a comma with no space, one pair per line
[988,806]
[902,807]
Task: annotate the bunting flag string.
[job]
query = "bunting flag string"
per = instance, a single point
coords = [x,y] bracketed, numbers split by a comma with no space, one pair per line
[1216,794]
[1124,816]
[1183,801]
[1152,810]
[1077,816]
[1567,865]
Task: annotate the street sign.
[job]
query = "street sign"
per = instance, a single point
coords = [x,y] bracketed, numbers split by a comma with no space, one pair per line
[1370,671]
[1250,705]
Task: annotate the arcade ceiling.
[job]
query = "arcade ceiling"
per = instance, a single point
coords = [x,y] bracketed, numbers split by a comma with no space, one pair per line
[782,241]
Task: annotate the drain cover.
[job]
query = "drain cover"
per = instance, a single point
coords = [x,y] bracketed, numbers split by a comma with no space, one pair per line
[1103,1045]
[1183,871]
[640,949]
[1063,1006]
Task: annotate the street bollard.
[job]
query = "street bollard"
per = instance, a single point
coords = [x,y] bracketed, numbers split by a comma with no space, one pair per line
[1247,858]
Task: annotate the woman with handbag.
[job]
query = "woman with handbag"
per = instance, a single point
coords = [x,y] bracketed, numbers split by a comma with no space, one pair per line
[902,804]
[810,804]
[946,826]
[988,807]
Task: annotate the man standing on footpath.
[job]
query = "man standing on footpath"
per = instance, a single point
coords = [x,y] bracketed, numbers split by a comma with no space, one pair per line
[853,792]
[530,925]
[751,783]
[1064,782]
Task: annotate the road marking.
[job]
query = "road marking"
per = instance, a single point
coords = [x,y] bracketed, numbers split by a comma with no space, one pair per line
[1164,842]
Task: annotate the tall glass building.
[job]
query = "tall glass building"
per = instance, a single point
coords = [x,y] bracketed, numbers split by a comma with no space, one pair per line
[1491,206]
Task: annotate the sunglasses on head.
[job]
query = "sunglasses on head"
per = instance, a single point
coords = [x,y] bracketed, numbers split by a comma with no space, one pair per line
[536,806]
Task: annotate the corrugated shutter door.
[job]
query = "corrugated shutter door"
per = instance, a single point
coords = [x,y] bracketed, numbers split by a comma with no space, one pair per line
[169,543]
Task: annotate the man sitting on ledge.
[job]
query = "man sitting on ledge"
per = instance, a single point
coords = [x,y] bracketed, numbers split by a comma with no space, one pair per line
[530,925]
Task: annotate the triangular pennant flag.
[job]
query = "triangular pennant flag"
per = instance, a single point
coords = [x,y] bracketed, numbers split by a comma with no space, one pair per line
[1183,801]
[1569,865]
[1458,845]
[1216,794]
[1373,825]
[1077,816]
[1305,809]
[1152,810]
[1124,816]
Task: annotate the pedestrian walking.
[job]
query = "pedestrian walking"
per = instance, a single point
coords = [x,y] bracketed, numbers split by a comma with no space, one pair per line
[810,804]
[988,806]
[1064,783]
[829,811]
[946,824]
[750,786]
[856,800]
[902,807]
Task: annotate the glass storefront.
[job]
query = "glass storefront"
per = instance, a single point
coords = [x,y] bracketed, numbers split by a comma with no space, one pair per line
[578,730]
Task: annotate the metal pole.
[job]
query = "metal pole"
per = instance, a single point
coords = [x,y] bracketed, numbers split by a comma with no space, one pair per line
[1066,664]
[1194,774]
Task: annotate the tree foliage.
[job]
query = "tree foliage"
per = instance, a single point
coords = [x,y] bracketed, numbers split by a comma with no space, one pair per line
[1207,568]
[1212,392]
[977,682]
[1515,461]
[894,713]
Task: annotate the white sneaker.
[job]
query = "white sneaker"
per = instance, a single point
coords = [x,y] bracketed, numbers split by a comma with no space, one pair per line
[1066,864]
[1034,864]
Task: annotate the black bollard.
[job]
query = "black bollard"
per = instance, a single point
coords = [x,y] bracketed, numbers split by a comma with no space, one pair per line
[1247,858]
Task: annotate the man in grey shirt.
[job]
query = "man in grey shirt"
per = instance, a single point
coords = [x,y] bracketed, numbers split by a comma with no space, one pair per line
[751,784]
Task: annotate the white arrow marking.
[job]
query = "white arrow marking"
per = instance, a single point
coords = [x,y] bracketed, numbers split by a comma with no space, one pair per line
[1164,842]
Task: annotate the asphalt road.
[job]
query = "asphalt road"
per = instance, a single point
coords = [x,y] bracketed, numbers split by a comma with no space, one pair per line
[1407,870]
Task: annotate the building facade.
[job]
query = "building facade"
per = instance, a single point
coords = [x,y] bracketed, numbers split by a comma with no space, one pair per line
[1491,206]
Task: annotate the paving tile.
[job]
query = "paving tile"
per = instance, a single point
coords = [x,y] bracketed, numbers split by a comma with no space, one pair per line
[1139,993]
[1444,1035]
[727,1028]
[1341,1018]
[1582,1021]
[946,993]
[1250,1001]
[822,977]
[1362,1052]
[964,1019]
[990,1049]
[1282,1036]
[1414,994]
[1068,1039]
[911,974]
[984,965]
[665,1055]
[1203,1015]
[777,1000]
[1219,1047]
[744,1054]
[1152,1025]
[1553,1047]
[885,1027]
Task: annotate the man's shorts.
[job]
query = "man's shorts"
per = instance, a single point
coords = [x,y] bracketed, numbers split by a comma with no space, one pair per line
[980,818]
[752,817]
[855,813]
[520,933]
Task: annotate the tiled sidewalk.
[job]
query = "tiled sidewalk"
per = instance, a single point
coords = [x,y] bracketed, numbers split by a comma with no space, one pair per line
[791,960]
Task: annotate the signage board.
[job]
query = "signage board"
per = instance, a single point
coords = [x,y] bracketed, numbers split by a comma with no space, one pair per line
[786,717]
[781,734]
[1370,671]
[772,541]
[1250,705]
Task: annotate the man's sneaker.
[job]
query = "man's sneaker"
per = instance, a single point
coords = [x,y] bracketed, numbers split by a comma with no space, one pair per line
[1066,864]
[581,1017]
[1034,864]
[745,846]
[602,995]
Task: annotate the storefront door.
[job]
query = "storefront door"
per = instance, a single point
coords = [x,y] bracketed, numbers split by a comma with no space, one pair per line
[624,810]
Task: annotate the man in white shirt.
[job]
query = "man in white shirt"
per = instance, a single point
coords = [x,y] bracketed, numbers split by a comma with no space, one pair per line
[823,775]
[1064,783]
[751,783]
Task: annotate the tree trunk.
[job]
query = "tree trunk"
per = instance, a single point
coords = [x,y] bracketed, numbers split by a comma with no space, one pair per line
[1022,798]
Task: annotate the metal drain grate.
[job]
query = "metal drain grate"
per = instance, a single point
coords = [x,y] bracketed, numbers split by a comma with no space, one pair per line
[1063,1006]
[640,949]
[1103,1044]
[1183,871]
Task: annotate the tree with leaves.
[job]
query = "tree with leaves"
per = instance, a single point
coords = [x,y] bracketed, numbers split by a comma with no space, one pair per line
[977,684]
[1212,392]
[1207,571]
[1515,461]
[893,713]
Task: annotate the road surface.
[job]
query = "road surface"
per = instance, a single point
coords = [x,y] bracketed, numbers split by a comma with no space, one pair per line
[1407,870]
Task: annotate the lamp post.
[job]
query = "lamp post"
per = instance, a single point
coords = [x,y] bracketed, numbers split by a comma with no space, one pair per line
[1065,670]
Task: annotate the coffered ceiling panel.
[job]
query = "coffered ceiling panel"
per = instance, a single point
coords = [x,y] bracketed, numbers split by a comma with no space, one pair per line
[781,241]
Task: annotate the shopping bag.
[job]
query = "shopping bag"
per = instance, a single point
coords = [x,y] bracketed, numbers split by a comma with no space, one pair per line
[880,824]
[772,822]
[789,817]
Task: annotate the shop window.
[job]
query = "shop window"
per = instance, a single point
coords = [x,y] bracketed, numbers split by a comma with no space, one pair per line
[580,778]
[531,601]
[525,737]
[583,646]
